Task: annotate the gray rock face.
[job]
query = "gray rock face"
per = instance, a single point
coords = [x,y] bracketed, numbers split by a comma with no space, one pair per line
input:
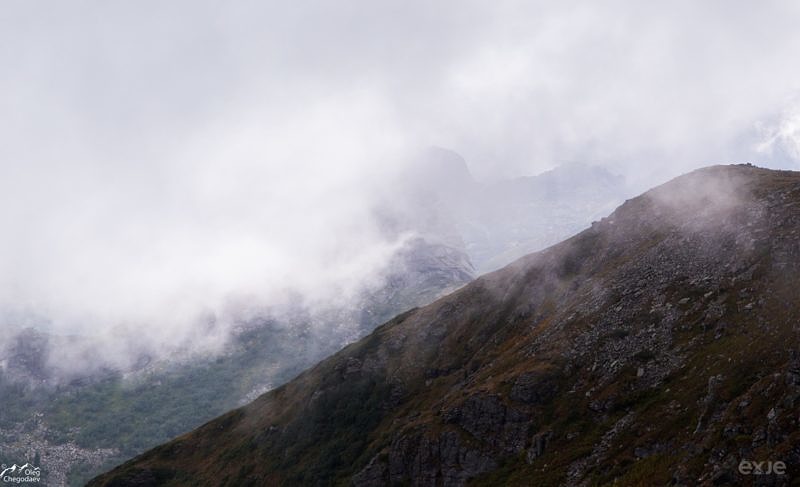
[538,445]
[487,418]
[534,388]
[425,461]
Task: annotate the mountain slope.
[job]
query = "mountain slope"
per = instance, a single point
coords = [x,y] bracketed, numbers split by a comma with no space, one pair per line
[660,345]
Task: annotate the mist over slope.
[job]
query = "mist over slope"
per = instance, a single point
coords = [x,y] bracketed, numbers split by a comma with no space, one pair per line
[76,410]
[659,346]
[82,401]
[433,209]
[434,227]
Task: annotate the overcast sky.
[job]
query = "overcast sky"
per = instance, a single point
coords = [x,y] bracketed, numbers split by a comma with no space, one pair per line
[159,157]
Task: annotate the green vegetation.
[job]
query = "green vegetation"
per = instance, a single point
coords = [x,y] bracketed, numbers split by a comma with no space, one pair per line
[16,403]
[135,416]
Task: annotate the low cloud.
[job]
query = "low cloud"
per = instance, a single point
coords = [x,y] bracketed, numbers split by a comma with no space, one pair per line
[781,138]
[164,163]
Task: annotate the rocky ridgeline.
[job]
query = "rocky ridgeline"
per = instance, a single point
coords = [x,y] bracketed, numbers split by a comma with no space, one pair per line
[658,347]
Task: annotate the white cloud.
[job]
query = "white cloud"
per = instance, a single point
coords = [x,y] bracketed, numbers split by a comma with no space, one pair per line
[158,160]
[782,137]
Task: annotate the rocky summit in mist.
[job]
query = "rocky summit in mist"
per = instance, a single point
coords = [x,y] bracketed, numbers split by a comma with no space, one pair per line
[500,221]
[660,346]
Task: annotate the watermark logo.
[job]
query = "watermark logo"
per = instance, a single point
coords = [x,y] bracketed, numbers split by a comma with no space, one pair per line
[749,467]
[20,474]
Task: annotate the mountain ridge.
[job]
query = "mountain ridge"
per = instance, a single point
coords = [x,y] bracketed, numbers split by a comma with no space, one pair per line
[658,346]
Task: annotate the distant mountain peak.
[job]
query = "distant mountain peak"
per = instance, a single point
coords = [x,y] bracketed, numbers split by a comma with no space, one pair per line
[447,163]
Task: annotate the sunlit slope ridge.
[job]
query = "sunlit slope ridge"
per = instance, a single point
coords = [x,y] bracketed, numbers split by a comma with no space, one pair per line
[659,345]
